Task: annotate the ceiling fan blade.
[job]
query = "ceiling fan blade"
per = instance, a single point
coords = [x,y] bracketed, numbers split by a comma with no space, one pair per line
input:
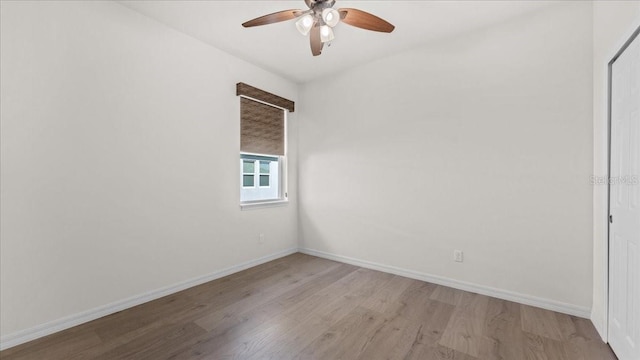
[316,43]
[364,20]
[273,18]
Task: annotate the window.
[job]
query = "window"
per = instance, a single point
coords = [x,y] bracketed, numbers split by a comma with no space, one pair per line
[260,178]
[262,146]
[262,150]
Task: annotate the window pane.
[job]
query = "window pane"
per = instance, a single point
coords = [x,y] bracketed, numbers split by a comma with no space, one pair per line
[264,167]
[264,180]
[247,180]
[248,166]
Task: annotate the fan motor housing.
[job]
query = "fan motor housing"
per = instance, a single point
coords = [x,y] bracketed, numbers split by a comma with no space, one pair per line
[320,3]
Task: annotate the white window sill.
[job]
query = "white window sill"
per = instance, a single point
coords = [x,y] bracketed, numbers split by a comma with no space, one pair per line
[250,205]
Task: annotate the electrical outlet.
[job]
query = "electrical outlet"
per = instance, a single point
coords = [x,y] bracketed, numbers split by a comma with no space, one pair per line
[261,237]
[457,255]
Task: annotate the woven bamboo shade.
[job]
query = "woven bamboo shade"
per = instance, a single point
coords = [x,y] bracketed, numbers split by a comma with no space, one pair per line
[261,128]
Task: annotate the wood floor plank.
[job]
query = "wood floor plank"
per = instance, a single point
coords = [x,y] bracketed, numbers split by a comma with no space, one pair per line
[243,342]
[413,302]
[465,331]
[205,346]
[537,347]
[316,314]
[280,320]
[502,329]
[416,305]
[533,347]
[584,328]
[287,301]
[584,342]
[596,349]
[334,301]
[447,295]
[574,339]
[438,352]
[567,327]
[305,307]
[275,287]
[387,296]
[394,339]
[348,338]
[540,322]
[238,328]
[154,344]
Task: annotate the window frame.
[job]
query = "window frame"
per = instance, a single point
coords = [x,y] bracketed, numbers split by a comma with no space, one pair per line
[283,173]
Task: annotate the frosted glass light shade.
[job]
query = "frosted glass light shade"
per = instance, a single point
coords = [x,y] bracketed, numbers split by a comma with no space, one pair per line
[330,16]
[326,33]
[304,24]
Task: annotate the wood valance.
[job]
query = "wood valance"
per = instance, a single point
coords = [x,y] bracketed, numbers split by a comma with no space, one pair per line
[252,92]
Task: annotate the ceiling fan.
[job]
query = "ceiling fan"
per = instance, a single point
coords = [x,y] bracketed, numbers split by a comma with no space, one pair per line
[319,20]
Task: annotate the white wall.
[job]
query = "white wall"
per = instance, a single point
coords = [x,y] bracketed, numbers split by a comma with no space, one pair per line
[613,24]
[114,130]
[482,142]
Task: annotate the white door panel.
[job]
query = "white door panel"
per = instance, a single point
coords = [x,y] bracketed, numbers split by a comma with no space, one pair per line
[624,231]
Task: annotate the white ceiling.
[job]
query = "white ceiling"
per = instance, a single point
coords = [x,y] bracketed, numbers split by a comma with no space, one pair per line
[281,49]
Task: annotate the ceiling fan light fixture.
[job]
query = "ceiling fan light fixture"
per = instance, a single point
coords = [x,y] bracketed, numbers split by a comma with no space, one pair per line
[304,24]
[330,16]
[320,18]
[326,34]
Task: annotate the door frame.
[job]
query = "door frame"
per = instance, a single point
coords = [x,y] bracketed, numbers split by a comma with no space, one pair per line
[634,35]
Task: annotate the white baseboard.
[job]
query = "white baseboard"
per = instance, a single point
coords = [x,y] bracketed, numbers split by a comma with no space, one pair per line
[39,331]
[553,305]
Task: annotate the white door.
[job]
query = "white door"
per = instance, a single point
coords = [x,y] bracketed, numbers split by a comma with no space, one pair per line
[624,201]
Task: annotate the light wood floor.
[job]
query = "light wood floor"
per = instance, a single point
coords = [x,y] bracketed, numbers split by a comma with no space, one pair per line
[303,307]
